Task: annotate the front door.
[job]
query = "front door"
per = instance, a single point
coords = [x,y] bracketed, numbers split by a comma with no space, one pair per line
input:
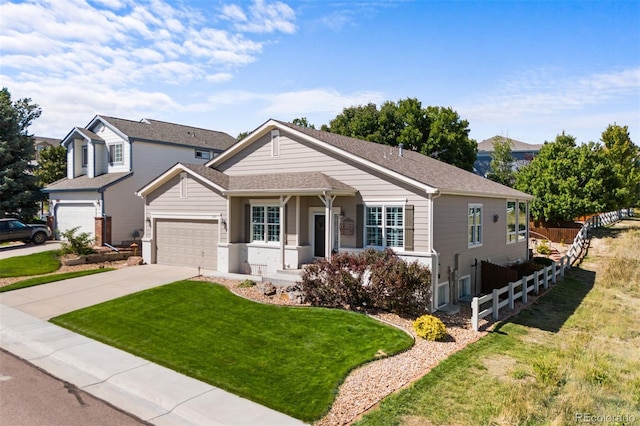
[318,235]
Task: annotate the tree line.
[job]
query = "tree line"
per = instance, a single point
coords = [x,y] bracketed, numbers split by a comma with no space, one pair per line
[570,180]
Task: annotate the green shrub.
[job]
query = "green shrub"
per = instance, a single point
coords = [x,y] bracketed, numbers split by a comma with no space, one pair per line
[80,244]
[430,328]
[371,279]
[247,283]
[543,248]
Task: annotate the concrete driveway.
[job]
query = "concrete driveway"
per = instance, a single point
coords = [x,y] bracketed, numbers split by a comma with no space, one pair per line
[53,299]
[22,249]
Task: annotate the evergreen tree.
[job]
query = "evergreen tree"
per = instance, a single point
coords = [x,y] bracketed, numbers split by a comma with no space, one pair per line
[19,190]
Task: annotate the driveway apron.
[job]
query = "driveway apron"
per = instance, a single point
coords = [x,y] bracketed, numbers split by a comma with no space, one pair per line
[53,299]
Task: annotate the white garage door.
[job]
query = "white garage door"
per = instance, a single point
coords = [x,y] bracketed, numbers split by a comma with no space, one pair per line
[69,216]
[187,243]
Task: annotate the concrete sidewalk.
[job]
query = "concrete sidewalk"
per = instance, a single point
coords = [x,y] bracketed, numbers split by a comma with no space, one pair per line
[149,391]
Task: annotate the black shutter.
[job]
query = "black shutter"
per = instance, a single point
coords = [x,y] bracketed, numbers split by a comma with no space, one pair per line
[408,227]
[359,225]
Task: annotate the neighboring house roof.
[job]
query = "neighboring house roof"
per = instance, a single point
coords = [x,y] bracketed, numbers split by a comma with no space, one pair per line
[41,140]
[83,183]
[161,131]
[487,145]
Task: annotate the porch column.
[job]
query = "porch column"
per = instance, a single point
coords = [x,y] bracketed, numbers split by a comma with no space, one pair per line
[328,223]
[283,205]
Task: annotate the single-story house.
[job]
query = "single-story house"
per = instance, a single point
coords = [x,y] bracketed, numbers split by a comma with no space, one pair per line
[286,195]
[112,157]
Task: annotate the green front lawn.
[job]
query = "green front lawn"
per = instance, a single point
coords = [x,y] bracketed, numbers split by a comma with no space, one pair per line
[51,278]
[33,264]
[289,359]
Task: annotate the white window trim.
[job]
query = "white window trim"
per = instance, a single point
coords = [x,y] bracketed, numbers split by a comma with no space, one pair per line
[384,206]
[440,303]
[474,244]
[275,143]
[184,185]
[85,154]
[264,204]
[460,280]
[518,235]
[112,150]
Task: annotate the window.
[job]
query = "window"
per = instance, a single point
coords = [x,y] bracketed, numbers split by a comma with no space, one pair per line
[464,286]
[516,221]
[116,154]
[265,223]
[275,143]
[442,295]
[204,155]
[184,182]
[475,225]
[522,221]
[85,155]
[384,226]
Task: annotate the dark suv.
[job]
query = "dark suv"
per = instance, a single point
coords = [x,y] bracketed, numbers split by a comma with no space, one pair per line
[14,230]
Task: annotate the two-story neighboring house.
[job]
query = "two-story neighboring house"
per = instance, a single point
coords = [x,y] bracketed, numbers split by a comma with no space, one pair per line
[109,159]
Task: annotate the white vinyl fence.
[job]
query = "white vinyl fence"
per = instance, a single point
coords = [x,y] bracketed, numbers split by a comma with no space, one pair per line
[542,278]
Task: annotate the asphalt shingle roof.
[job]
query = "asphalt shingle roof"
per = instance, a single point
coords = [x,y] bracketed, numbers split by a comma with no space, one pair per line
[85,183]
[308,181]
[161,131]
[416,166]
[487,145]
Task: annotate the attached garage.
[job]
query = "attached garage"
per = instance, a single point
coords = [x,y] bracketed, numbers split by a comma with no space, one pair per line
[187,242]
[72,215]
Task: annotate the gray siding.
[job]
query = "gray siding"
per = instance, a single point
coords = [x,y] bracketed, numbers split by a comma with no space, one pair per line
[201,198]
[451,236]
[299,156]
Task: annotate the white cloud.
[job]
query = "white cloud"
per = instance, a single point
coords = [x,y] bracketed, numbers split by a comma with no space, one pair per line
[262,17]
[545,93]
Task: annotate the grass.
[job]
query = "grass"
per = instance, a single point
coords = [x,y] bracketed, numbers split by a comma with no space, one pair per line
[30,282]
[289,359]
[574,352]
[33,264]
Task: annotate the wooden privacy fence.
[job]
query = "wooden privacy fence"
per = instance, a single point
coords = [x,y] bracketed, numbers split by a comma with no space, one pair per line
[491,303]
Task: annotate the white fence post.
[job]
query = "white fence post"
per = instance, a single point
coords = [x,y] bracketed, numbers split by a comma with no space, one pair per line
[545,282]
[475,310]
[524,290]
[536,282]
[496,304]
[554,266]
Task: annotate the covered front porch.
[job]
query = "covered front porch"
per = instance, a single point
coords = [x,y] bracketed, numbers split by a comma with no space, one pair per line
[283,221]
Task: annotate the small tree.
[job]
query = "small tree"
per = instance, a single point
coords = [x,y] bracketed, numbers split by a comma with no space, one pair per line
[625,156]
[80,244]
[502,162]
[52,165]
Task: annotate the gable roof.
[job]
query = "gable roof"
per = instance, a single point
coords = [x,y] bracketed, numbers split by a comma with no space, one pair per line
[487,145]
[84,183]
[149,130]
[412,167]
[259,184]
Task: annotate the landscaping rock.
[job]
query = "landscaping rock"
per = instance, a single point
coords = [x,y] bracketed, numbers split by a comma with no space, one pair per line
[268,289]
[135,260]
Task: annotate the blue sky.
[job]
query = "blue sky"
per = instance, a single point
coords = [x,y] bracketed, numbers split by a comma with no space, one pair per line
[523,69]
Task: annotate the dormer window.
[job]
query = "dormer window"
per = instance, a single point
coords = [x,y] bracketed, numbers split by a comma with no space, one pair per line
[116,153]
[85,155]
[202,154]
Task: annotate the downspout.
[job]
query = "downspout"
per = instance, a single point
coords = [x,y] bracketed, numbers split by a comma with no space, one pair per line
[435,257]
[104,218]
[283,204]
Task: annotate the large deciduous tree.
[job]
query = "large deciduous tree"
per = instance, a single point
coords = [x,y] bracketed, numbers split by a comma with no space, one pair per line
[52,165]
[568,181]
[625,156]
[435,131]
[502,162]
[19,191]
